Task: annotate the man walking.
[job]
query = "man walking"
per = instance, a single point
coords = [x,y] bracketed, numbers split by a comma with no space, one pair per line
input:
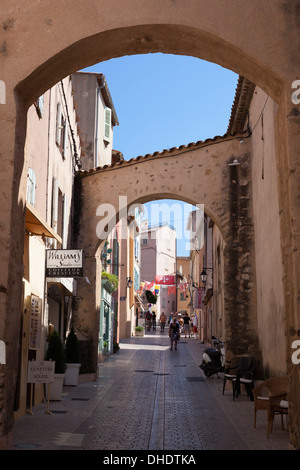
[186,325]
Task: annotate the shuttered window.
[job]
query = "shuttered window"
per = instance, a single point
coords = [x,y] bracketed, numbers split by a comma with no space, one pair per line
[107,124]
[31,185]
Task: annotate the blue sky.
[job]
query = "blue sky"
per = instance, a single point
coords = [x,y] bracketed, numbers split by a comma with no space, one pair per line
[164,101]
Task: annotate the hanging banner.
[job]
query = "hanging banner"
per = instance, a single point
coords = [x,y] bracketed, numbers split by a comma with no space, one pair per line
[149,286]
[199,296]
[165,280]
[171,290]
[183,287]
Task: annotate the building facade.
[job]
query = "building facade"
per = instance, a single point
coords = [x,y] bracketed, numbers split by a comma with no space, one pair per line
[158,259]
[52,157]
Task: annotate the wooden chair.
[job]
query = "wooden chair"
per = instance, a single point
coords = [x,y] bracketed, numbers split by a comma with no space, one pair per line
[266,395]
[278,405]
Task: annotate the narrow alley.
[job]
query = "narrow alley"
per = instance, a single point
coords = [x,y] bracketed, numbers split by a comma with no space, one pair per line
[149,398]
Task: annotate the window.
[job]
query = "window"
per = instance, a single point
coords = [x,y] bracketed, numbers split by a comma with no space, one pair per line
[31,185]
[61,130]
[107,124]
[39,106]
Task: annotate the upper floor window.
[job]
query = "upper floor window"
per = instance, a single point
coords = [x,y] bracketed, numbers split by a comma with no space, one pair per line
[31,185]
[61,130]
[107,124]
[39,106]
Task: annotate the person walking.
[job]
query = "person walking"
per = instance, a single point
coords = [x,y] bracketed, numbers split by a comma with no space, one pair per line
[154,321]
[195,325]
[186,325]
[174,333]
[163,320]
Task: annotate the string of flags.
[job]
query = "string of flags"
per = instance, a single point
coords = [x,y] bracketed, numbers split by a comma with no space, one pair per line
[168,281]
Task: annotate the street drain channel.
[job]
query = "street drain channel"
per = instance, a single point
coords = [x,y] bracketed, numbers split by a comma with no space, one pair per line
[27,446]
[59,412]
[80,399]
[143,370]
[195,379]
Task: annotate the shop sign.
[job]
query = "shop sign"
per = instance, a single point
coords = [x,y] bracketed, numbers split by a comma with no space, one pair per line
[64,263]
[40,371]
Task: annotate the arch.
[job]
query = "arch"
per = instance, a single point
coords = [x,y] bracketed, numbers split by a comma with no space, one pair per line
[198,174]
[167,38]
[41,43]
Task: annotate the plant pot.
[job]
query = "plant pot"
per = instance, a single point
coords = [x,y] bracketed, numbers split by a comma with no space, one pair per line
[140,332]
[56,388]
[72,374]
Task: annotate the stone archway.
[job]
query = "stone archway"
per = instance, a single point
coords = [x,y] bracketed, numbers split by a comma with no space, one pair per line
[39,44]
[199,174]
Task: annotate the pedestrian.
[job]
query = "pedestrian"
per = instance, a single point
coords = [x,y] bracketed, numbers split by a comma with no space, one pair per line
[154,321]
[195,325]
[163,320]
[174,333]
[186,325]
[148,320]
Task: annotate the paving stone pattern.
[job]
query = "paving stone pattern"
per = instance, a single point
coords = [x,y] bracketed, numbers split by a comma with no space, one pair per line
[149,398]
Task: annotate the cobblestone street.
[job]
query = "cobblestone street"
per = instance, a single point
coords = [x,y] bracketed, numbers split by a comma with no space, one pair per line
[153,399]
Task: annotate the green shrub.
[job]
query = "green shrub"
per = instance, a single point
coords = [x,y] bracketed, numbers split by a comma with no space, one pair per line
[56,352]
[72,348]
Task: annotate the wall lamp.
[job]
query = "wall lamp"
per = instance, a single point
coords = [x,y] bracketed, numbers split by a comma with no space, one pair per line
[129,282]
[203,275]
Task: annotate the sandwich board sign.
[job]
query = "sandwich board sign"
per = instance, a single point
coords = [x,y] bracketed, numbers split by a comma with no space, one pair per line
[40,372]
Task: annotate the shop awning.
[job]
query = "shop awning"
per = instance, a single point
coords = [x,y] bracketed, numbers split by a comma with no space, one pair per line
[35,224]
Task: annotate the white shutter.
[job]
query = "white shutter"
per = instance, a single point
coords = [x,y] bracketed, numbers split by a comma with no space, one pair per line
[107,124]
[54,204]
[65,223]
[65,139]
[31,185]
[58,123]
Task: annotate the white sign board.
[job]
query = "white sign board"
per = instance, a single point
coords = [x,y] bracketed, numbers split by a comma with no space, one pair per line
[64,263]
[40,371]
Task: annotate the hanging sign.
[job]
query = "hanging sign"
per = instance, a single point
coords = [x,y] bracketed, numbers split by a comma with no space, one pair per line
[64,263]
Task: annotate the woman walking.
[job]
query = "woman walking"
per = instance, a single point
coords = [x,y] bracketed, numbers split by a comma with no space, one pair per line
[174,333]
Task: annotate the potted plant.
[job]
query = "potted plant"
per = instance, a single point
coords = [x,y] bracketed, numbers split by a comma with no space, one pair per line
[105,347]
[56,352]
[139,331]
[73,359]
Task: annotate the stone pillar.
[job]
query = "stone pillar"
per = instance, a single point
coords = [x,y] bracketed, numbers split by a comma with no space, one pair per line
[86,308]
[13,184]
[288,144]
[240,295]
